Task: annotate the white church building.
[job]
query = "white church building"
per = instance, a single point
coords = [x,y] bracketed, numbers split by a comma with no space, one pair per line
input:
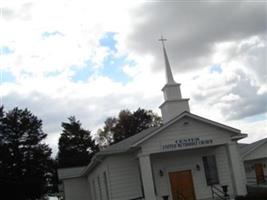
[187,158]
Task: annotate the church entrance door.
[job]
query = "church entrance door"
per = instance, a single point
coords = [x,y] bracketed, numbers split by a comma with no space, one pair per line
[182,185]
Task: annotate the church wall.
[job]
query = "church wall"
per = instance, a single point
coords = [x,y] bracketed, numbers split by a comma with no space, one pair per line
[76,188]
[187,160]
[123,179]
[185,128]
[99,184]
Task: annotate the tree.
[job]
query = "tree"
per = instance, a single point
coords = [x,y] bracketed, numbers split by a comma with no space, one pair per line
[105,135]
[52,177]
[126,125]
[76,146]
[24,158]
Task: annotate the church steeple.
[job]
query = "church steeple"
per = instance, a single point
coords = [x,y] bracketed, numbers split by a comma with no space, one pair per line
[169,75]
[173,104]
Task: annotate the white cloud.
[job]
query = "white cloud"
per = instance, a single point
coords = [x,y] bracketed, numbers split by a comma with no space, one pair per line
[199,38]
[81,24]
[255,130]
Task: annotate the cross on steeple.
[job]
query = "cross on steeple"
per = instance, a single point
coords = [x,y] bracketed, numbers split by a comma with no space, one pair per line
[162,40]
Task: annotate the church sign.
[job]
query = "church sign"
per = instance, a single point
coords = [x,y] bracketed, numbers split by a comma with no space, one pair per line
[187,142]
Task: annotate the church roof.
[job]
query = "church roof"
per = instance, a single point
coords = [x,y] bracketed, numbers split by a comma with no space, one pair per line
[134,141]
[124,145]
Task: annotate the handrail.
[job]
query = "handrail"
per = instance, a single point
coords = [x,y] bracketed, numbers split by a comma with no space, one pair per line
[218,196]
[219,190]
[220,193]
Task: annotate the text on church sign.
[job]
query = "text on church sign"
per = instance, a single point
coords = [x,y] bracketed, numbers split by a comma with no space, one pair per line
[187,142]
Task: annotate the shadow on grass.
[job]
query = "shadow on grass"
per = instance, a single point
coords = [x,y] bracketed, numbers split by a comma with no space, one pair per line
[254,193]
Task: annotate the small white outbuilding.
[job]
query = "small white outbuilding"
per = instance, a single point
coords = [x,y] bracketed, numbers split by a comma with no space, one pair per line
[254,156]
[189,157]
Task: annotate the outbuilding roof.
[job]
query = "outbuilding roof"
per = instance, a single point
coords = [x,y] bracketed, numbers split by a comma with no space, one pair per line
[245,149]
[72,172]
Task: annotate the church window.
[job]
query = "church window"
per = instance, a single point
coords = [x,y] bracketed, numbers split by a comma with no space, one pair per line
[211,170]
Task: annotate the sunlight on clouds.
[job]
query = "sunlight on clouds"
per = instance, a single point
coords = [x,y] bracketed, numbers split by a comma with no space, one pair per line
[234,92]
[255,130]
[92,58]
[230,98]
[58,35]
[221,51]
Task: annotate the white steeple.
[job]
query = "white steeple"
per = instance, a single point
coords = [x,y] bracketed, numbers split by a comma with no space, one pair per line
[173,104]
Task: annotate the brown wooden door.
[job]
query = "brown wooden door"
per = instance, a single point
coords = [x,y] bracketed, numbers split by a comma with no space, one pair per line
[259,173]
[182,185]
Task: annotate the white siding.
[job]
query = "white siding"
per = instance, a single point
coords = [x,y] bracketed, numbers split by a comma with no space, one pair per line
[179,130]
[223,165]
[187,160]
[97,182]
[76,189]
[124,177]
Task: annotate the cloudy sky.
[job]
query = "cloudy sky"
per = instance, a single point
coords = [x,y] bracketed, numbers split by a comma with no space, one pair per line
[93,58]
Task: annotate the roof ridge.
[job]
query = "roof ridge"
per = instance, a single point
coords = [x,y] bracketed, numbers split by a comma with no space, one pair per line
[141,133]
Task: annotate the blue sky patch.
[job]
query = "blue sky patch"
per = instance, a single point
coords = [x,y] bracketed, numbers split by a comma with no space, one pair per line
[5,50]
[216,69]
[51,74]
[82,74]
[7,76]
[113,68]
[108,41]
[50,34]
[256,118]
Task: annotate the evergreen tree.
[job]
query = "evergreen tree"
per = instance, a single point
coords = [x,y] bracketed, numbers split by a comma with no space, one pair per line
[76,146]
[24,158]
[52,177]
[127,124]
